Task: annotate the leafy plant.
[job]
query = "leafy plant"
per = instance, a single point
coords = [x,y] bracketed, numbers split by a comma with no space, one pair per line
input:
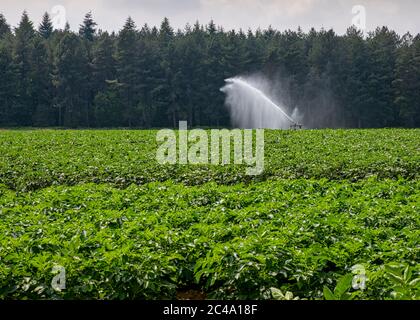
[277,294]
[124,227]
[405,285]
[341,290]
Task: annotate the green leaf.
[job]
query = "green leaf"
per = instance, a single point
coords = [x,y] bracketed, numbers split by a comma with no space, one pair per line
[288,296]
[407,274]
[277,294]
[346,296]
[414,282]
[398,280]
[328,295]
[343,285]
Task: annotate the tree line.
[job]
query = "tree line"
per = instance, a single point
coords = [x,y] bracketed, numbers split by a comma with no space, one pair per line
[153,77]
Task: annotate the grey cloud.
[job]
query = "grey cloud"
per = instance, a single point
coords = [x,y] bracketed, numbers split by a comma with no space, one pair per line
[401,15]
[159,5]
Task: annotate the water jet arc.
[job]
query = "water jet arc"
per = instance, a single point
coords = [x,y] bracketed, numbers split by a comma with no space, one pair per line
[259,93]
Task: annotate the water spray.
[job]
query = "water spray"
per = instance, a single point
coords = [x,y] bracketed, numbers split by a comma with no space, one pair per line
[250,107]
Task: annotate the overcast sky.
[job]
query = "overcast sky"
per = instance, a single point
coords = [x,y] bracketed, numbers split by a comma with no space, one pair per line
[402,15]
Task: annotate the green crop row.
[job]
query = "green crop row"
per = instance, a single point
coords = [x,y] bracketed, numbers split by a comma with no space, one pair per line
[299,237]
[36,159]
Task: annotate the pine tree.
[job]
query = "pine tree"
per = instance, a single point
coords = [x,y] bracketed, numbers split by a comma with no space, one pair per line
[214,78]
[67,27]
[104,63]
[88,33]
[71,82]
[148,69]
[42,94]
[253,53]
[107,106]
[407,81]
[166,33]
[382,44]
[355,69]
[22,51]
[4,27]
[103,78]
[164,94]
[87,29]
[127,74]
[46,28]
[211,28]
[196,90]
[8,80]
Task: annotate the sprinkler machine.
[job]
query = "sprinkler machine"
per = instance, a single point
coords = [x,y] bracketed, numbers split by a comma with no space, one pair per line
[296,126]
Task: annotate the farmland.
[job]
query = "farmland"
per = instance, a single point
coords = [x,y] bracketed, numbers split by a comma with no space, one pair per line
[126,227]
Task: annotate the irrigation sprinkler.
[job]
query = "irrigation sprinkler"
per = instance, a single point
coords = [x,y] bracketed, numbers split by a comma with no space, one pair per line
[250,107]
[296,126]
